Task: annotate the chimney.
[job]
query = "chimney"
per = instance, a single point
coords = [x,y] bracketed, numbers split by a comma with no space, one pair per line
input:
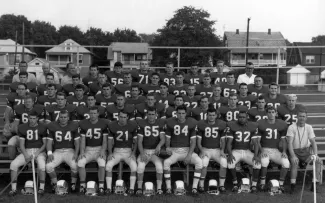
[269,31]
[237,31]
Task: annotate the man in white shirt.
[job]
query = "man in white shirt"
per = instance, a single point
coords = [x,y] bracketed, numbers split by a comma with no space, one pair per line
[71,70]
[247,77]
[23,68]
[41,78]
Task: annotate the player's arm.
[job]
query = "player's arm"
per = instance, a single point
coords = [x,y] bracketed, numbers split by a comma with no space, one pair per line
[22,146]
[284,142]
[199,140]
[82,142]
[192,146]
[230,137]
[312,141]
[135,143]
[104,144]
[256,143]
[49,144]
[137,113]
[110,144]
[47,114]
[162,141]
[223,142]
[167,140]
[76,144]
[290,137]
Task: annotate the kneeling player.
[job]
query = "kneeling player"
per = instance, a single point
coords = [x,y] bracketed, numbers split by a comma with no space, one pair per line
[151,137]
[211,143]
[32,144]
[93,147]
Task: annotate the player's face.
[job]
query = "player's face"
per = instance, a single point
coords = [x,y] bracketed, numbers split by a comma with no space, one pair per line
[72,69]
[271,114]
[120,101]
[144,65]
[23,67]
[127,79]
[163,89]
[23,78]
[181,115]
[179,101]
[29,103]
[93,71]
[118,69]
[261,104]
[63,118]
[243,89]
[152,116]
[258,81]
[107,91]
[155,79]
[191,90]
[291,102]
[102,78]
[21,90]
[249,69]
[123,118]
[91,101]
[194,69]
[212,116]
[135,92]
[46,68]
[232,101]
[179,79]
[61,101]
[32,120]
[204,103]
[217,91]
[302,118]
[230,79]
[220,66]
[273,89]
[151,100]
[207,80]
[242,118]
[51,91]
[79,93]
[126,70]
[75,81]
[49,80]
[169,69]
[93,115]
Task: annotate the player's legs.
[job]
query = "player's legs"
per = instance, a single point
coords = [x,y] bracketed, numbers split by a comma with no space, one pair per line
[140,170]
[101,169]
[248,158]
[237,154]
[197,161]
[276,157]
[157,161]
[71,162]
[223,166]
[50,166]
[265,161]
[90,155]
[41,161]
[133,167]
[205,163]
[176,156]
[13,143]
[117,157]
[14,165]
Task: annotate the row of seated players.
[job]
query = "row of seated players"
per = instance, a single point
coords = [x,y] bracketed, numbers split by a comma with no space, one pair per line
[78,143]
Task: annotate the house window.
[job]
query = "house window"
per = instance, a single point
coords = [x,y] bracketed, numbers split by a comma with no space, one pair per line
[310,59]
[68,46]
[18,58]
[80,58]
[138,57]
[37,64]
[261,56]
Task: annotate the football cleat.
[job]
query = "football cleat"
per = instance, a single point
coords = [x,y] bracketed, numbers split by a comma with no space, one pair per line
[108,192]
[201,190]
[73,188]
[292,188]
[195,192]
[101,191]
[253,189]
[82,190]
[169,191]
[53,188]
[222,189]
[159,192]
[312,188]
[138,193]
[235,188]
[41,192]
[281,188]
[131,192]
[13,193]
[262,187]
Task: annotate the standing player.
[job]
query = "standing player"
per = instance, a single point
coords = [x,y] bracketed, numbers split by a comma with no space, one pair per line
[49,98]
[257,89]
[32,144]
[64,138]
[143,75]
[105,98]
[200,113]
[82,111]
[153,86]
[240,134]
[256,114]
[163,96]
[245,99]
[217,100]
[194,77]
[230,112]
[220,76]
[272,132]
[135,98]
[93,147]
[115,77]
[273,98]
[289,112]
[23,76]
[211,143]
[205,89]
[125,88]
[123,133]
[179,88]
[169,76]
[113,110]
[171,110]
[78,98]
[191,100]
[151,137]
[96,87]
[92,76]
[230,86]
[142,109]
[42,88]
[69,89]
[180,144]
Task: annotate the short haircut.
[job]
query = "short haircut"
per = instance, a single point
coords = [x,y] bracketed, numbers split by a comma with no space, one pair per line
[91,95]
[23,73]
[302,111]
[204,97]
[79,86]
[61,94]
[249,64]
[135,86]
[207,75]
[191,85]
[64,111]
[216,86]
[232,95]
[151,94]
[220,61]
[230,73]
[181,107]
[269,108]
[127,73]
[164,84]
[120,95]
[261,97]
[293,96]
[180,73]
[106,85]
[29,97]
[50,74]
[123,111]
[93,66]
[76,76]
[242,84]
[22,84]
[157,74]
[258,76]
[178,96]
[211,110]
[242,111]
[51,85]
[151,108]
[274,84]
[118,64]
[170,63]
[23,62]
[68,64]
[33,113]
[94,108]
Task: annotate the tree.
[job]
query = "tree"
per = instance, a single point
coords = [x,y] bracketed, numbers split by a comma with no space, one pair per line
[126,35]
[68,32]
[95,36]
[147,37]
[318,40]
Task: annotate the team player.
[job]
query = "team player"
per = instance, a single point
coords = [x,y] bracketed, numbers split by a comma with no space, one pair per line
[42,88]
[206,88]
[211,142]
[191,99]
[257,89]
[230,86]
[93,146]
[151,137]
[78,98]
[32,145]
[142,109]
[193,77]
[245,99]
[69,89]
[105,97]
[258,113]
[92,77]
[23,76]
[171,110]
[153,86]
[179,88]
[50,97]
[169,77]
[114,109]
[289,111]
[272,131]
[200,112]
[217,100]
[143,75]
[239,136]
[219,76]
[135,98]
[96,87]
[230,112]
[273,98]
[163,96]
[123,133]
[180,144]
[115,77]
[82,111]
[62,147]
[125,88]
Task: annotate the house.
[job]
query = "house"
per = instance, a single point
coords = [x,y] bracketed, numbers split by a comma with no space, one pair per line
[8,53]
[35,66]
[259,56]
[67,52]
[129,53]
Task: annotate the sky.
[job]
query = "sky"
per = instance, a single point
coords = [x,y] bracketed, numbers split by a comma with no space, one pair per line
[297,20]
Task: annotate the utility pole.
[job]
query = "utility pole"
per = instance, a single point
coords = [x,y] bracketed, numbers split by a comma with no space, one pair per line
[248,19]
[23,54]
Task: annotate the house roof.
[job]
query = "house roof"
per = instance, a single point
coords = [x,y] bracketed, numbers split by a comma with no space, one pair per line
[12,49]
[298,69]
[42,60]
[127,48]
[308,50]
[62,48]
[256,39]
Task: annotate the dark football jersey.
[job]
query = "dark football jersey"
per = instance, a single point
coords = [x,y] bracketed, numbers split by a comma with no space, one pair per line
[175,90]
[141,110]
[141,99]
[63,137]
[218,103]
[42,89]
[74,101]
[31,87]
[256,115]
[93,132]
[113,111]
[88,80]
[279,100]
[148,88]
[52,112]
[169,79]
[171,112]
[193,79]
[228,114]
[141,77]
[288,115]
[218,78]
[242,134]
[271,134]
[123,135]
[102,101]
[180,134]
[199,114]
[13,99]
[257,92]
[249,101]
[21,113]
[45,101]
[82,112]
[204,91]
[228,89]
[96,88]
[33,136]
[114,78]
[211,133]
[191,102]
[167,101]
[150,132]
[123,89]
[69,89]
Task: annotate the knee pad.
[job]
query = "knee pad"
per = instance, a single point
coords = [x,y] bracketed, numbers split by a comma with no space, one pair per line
[49,168]
[74,167]
[133,166]
[14,141]
[167,164]
[231,165]
[223,162]
[198,165]
[285,163]
[14,166]
[109,166]
[82,163]
[159,168]
[265,162]
[205,162]
[101,162]
[256,166]
[141,167]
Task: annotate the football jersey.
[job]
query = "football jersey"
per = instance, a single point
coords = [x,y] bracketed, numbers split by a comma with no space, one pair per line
[242,134]
[199,114]
[204,91]
[123,89]
[271,134]
[141,110]
[31,87]
[74,101]
[13,99]
[122,135]
[228,89]
[148,88]
[63,137]
[102,101]
[42,89]
[33,136]
[218,103]
[93,132]
[52,112]
[228,114]
[139,100]
[96,88]
[171,112]
[114,78]
[211,133]
[180,134]
[279,100]
[141,77]
[256,115]
[249,101]
[257,92]
[150,132]
[167,101]
[82,112]
[191,102]
[69,89]
[288,115]
[88,80]
[21,113]
[169,79]
[217,78]
[175,90]
[193,79]
[113,111]
[45,100]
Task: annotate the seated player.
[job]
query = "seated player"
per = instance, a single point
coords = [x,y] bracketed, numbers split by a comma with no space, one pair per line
[105,97]
[23,76]
[113,110]
[153,86]
[193,77]
[256,114]
[191,100]
[116,76]
[151,137]
[82,111]
[142,109]
[206,88]
[78,98]
[92,77]
[230,112]
[96,87]
[239,136]
[171,110]
[32,144]
[219,76]
[143,75]
[272,132]
[200,113]
[179,88]
[273,98]
[63,147]
[245,99]
[125,88]
[69,89]
[135,98]
[289,111]
[163,96]
[93,146]
[49,79]
[169,77]
[180,144]
[123,133]
[217,100]
[230,86]
[50,97]
[211,141]
[257,89]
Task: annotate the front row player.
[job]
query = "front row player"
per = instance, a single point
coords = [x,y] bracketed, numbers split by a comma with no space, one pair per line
[32,143]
